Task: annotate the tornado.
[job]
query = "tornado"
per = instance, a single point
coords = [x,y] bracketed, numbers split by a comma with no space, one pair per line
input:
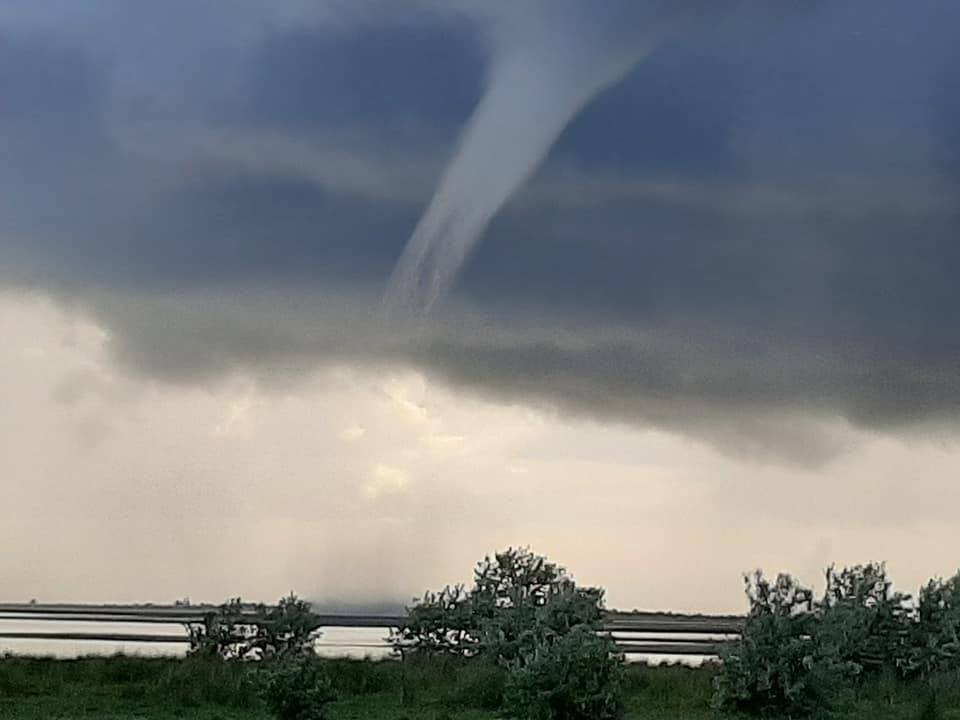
[545,66]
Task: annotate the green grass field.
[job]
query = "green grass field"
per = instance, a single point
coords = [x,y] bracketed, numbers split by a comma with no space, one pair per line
[163,689]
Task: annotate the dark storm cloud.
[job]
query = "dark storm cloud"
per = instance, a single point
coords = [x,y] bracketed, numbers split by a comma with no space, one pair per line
[756,224]
[51,136]
[380,78]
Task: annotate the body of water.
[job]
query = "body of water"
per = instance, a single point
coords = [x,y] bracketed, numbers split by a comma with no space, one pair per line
[333,642]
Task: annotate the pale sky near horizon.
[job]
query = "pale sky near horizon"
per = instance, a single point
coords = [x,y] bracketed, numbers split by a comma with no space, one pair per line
[715,330]
[367,486]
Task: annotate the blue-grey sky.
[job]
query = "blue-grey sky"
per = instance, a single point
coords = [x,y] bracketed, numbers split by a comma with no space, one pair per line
[749,236]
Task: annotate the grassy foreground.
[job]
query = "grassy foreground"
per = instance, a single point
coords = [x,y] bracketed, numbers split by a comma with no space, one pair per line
[163,689]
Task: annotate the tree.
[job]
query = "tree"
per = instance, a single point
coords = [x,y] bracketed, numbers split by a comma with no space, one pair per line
[242,631]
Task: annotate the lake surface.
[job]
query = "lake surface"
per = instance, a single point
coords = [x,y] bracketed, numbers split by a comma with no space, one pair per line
[333,642]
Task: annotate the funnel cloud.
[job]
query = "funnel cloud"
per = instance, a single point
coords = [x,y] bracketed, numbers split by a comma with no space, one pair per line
[548,61]
[539,79]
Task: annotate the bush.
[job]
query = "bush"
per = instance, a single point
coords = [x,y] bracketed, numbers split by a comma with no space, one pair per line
[573,676]
[357,677]
[935,640]
[779,667]
[796,655]
[930,710]
[290,629]
[441,623]
[238,631]
[296,689]
[863,622]
[512,591]
[526,616]
[521,598]
[196,681]
[483,685]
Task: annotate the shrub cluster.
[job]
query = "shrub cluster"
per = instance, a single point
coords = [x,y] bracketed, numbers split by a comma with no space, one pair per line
[572,676]
[290,680]
[797,653]
[240,631]
[526,616]
[297,689]
[530,634]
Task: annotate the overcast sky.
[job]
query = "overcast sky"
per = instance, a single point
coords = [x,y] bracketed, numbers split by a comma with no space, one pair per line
[715,330]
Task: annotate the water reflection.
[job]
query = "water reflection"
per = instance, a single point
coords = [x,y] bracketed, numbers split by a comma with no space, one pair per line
[333,642]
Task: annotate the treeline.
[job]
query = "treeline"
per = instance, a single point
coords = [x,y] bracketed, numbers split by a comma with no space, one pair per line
[535,639]
[524,627]
[800,654]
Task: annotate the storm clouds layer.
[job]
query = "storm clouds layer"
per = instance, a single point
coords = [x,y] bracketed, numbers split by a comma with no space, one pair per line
[754,231]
